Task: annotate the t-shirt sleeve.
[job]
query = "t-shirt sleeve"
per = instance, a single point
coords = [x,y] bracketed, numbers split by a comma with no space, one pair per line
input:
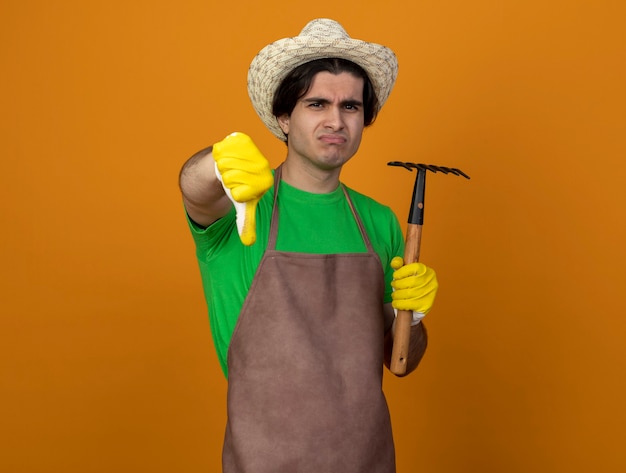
[208,239]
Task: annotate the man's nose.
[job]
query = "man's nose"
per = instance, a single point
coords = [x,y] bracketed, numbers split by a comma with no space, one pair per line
[334,118]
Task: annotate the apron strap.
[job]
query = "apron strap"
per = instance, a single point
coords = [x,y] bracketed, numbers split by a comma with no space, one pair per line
[271,242]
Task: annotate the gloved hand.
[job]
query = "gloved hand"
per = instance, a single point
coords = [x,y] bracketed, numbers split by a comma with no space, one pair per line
[245,175]
[415,286]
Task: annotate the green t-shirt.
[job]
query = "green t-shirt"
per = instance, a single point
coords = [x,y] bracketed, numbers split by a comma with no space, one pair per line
[308,223]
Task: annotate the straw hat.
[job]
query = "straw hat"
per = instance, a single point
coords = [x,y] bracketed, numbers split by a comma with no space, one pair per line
[321,38]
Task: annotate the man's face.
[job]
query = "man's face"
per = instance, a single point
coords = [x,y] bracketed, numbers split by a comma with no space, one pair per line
[325,127]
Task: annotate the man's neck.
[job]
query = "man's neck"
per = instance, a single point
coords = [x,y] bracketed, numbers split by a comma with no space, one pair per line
[310,178]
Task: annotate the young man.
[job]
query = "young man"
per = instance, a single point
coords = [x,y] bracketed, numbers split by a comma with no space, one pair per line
[297,268]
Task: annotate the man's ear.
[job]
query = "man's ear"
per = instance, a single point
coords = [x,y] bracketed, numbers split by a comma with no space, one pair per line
[283,122]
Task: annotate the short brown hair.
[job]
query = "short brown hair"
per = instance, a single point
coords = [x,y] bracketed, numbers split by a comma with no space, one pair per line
[298,82]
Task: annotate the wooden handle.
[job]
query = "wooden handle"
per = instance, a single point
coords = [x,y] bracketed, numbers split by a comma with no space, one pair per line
[402,334]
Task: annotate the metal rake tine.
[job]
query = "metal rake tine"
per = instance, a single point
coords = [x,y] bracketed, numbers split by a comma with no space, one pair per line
[458,172]
[455,171]
[442,169]
[428,167]
[403,164]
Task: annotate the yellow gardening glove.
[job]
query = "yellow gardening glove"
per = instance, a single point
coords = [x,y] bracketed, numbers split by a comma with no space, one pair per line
[245,175]
[415,286]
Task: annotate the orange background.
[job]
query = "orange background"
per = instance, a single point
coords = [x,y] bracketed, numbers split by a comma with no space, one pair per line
[106,359]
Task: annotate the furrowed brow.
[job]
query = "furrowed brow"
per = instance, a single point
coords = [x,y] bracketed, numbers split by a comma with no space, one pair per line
[354,103]
[316,100]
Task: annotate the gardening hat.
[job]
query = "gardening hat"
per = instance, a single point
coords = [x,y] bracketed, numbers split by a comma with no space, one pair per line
[320,38]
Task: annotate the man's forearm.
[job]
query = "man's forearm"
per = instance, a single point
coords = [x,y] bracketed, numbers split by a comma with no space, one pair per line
[203,194]
[417,346]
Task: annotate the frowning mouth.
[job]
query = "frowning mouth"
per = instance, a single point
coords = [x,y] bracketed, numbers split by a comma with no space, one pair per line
[333,139]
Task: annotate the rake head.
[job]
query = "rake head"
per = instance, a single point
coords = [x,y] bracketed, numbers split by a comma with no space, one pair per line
[416,213]
[428,167]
